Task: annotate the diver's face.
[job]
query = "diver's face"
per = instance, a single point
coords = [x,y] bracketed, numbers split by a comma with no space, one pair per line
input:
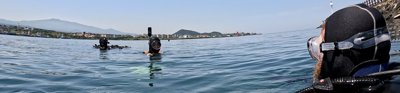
[156,45]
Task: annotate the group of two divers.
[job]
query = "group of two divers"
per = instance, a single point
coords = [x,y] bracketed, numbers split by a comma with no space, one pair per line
[154,44]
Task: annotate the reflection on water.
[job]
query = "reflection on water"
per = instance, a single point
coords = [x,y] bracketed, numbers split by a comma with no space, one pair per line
[154,69]
[103,54]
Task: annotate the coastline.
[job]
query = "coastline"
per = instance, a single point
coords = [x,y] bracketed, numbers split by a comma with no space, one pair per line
[128,39]
[135,39]
[41,33]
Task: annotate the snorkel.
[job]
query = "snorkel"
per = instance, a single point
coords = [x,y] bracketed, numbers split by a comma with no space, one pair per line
[154,42]
[149,32]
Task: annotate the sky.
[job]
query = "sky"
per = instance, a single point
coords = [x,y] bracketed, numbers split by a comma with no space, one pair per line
[169,16]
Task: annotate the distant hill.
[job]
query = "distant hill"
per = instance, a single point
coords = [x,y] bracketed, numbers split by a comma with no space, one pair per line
[214,34]
[191,33]
[186,32]
[61,26]
[8,22]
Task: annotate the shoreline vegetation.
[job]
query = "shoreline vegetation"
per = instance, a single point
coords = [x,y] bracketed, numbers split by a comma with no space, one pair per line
[43,33]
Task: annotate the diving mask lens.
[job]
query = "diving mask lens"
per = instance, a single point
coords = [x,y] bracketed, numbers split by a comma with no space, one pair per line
[313,45]
[155,45]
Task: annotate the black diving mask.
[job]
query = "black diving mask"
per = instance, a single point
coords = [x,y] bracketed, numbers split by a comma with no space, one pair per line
[360,40]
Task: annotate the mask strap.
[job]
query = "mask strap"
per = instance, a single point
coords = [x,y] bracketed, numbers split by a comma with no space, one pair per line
[373,19]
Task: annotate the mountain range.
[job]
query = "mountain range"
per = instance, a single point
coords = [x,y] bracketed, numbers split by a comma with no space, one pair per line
[61,26]
[191,32]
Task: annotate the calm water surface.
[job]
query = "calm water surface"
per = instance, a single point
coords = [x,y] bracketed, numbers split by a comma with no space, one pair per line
[269,63]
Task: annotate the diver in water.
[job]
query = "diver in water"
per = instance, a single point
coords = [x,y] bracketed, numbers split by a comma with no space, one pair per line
[153,52]
[154,44]
[354,42]
[103,43]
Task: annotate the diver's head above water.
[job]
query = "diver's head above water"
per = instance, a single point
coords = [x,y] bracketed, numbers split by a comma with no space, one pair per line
[103,42]
[354,41]
[154,43]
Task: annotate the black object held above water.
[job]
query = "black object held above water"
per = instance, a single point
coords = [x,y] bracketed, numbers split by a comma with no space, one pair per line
[149,32]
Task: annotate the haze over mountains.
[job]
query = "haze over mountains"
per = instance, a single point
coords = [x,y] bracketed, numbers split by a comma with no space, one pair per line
[61,26]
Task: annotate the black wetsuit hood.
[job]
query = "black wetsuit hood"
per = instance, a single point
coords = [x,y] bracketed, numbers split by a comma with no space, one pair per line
[343,24]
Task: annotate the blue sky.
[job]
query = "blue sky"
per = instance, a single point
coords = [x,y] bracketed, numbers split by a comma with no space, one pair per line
[168,16]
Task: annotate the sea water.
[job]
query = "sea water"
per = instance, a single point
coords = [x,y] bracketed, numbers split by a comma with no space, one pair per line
[269,63]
